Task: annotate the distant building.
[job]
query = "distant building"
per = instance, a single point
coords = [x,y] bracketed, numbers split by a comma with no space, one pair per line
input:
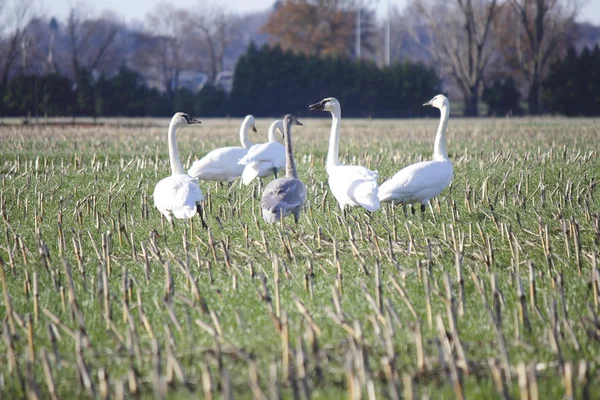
[195,81]
[192,80]
[224,80]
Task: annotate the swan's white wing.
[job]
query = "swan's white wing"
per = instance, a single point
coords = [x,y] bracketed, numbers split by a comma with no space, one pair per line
[359,172]
[271,151]
[251,171]
[219,165]
[161,196]
[177,195]
[354,185]
[278,154]
[417,182]
[252,152]
[365,193]
[261,159]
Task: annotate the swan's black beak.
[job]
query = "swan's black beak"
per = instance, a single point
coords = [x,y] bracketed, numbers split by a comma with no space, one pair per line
[193,121]
[317,107]
[298,123]
[254,129]
[430,102]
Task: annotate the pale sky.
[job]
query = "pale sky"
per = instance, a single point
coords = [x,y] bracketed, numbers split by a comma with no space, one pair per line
[136,10]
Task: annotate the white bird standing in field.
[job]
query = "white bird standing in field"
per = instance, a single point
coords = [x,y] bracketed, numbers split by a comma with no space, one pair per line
[425,180]
[178,195]
[222,164]
[284,196]
[264,159]
[351,185]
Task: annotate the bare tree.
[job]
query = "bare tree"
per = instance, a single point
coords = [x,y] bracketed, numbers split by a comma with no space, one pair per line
[405,26]
[89,42]
[460,42]
[217,27]
[169,46]
[530,33]
[49,59]
[14,17]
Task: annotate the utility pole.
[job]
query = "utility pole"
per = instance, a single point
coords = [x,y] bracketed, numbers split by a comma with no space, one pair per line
[358,28]
[387,35]
[24,46]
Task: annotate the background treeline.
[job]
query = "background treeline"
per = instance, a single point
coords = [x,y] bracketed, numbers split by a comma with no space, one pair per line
[497,57]
[125,95]
[573,84]
[572,87]
[267,82]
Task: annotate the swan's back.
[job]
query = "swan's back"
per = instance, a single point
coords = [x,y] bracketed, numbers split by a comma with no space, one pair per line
[282,196]
[417,183]
[177,196]
[270,151]
[219,165]
[261,159]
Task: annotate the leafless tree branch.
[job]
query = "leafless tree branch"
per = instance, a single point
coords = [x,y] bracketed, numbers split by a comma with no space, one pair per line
[460,31]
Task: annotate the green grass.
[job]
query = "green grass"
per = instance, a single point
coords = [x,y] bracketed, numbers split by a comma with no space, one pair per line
[523,200]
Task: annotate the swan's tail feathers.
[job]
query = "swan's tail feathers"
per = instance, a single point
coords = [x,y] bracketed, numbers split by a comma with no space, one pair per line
[183,204]
[370,203]
[184,211]
[365,194]
[250,173]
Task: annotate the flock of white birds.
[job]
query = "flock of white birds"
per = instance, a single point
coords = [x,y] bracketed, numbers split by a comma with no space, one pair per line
[180,196]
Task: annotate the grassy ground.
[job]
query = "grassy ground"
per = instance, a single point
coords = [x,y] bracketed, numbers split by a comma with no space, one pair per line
[494,293]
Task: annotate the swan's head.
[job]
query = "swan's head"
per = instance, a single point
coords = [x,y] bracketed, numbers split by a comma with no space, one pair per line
[182,119]
[290,119]
[438,101]
[328,104]
[250,122]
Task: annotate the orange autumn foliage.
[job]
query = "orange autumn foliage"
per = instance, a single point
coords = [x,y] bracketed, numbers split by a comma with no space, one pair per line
[318,27]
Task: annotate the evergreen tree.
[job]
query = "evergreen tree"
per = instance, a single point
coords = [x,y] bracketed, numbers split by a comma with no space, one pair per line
[211,101]
[270,82]
[572,87]
[502,98]
[58,97]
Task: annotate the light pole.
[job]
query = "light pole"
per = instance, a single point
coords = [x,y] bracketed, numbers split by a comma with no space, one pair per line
[387,35]
[358,28]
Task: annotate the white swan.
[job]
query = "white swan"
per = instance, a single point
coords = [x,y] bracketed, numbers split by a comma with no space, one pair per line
[284,196]
[422,181]
[222,164]
[351,185]
[178,195]
[264,159]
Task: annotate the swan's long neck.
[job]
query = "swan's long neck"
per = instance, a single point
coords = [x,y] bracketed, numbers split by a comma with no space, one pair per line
[246,143]
[439,148]
[290,164]
[334,139]
[176,166]
[272,134]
